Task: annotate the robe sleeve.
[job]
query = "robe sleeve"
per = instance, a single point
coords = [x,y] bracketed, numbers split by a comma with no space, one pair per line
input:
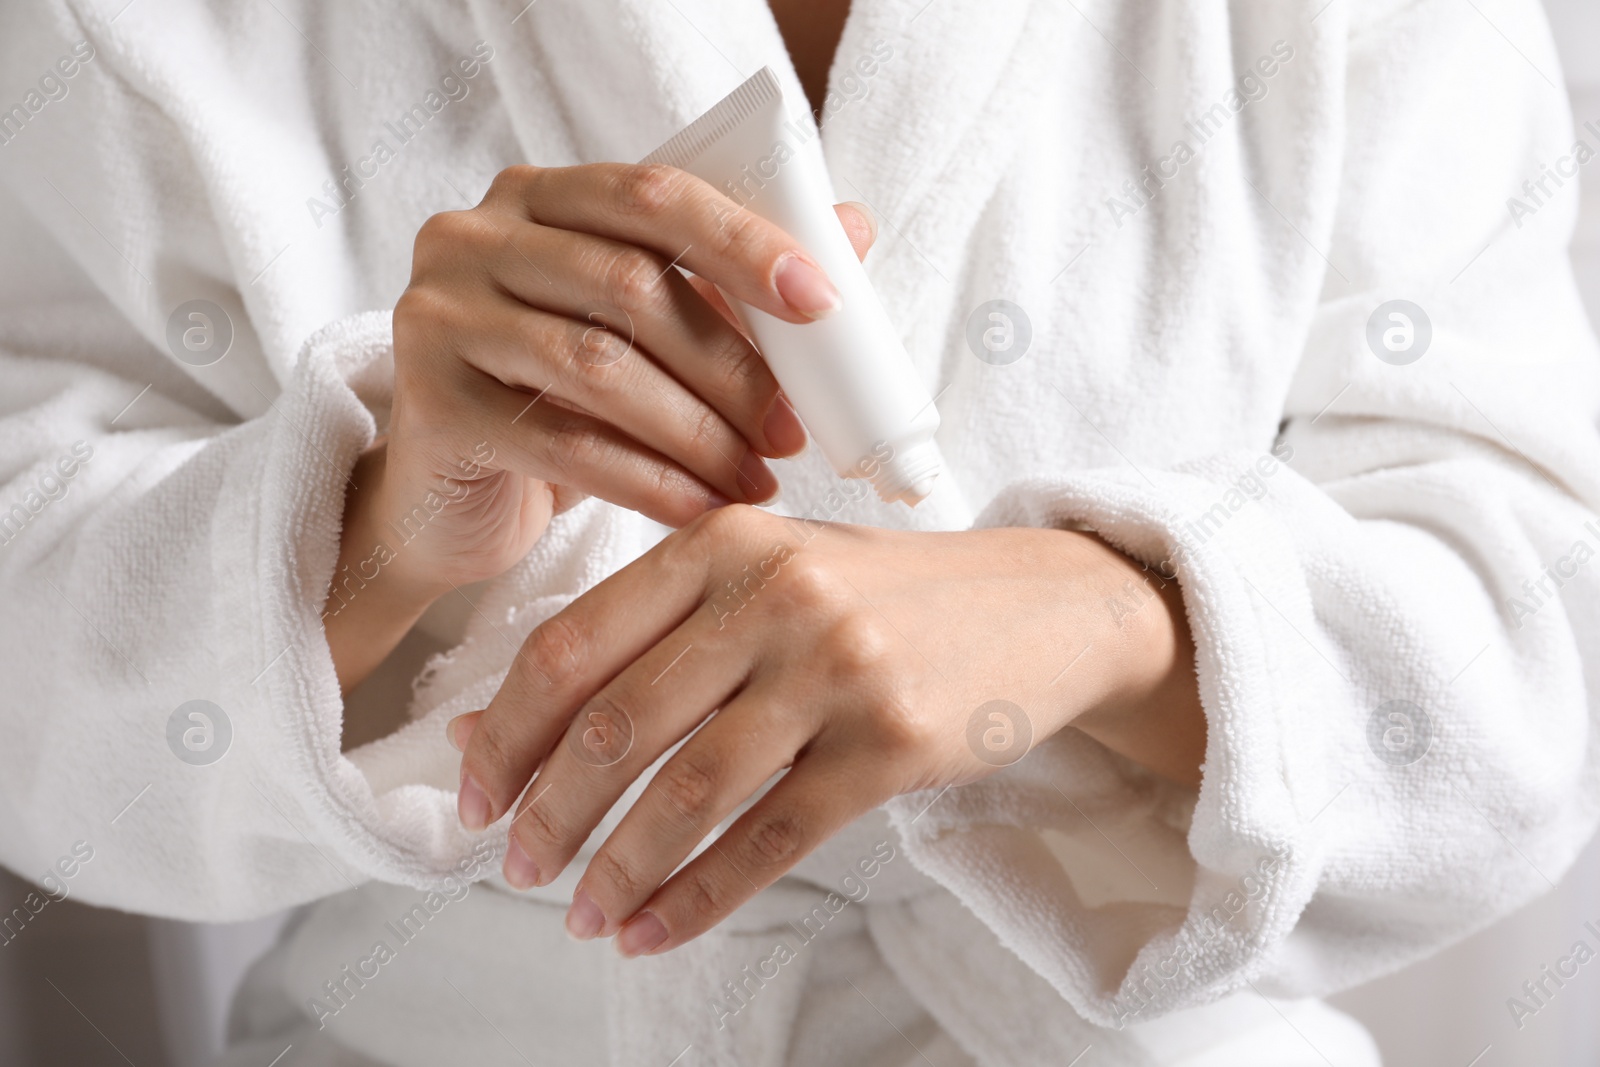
[1395,603]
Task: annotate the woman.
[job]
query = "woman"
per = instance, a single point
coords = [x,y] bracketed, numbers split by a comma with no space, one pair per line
[1258,534]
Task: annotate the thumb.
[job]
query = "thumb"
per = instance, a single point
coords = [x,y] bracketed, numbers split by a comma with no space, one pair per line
[859,225]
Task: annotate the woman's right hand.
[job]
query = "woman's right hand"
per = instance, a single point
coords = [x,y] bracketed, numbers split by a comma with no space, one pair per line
[547,348]
[560,286]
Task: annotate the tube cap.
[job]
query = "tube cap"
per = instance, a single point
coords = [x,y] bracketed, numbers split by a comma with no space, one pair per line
[909,474]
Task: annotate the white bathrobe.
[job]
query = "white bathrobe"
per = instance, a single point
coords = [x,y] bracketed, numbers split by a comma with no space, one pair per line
[1198,204]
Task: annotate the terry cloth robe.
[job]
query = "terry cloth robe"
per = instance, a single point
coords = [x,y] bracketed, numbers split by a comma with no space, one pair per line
[1381,515]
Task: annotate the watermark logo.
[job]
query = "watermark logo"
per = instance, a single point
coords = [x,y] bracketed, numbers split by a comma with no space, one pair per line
[199,333]
[999,733]
[605,342]
[601,737]
[199,733]
[1399,332]
[999,332]
[1399,733]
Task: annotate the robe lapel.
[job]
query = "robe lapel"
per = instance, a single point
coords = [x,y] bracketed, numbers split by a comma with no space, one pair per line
[941,108]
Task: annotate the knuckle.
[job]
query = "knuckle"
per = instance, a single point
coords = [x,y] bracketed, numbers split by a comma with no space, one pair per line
[901,728]
[609,868]
[858,646]
[514,182]
[648,189]
[689,785]
[605,707]
[557,649]
[671,483]
[596,348]
[421,311]
[538,824]
[723,527]
[571,448]
[632,278]
[490,752]
[741,236]
[447,231]
[775,840]
[707,542]
[705,426]
[452,239]
[808,583]
[534,335]
[743,371]
[704,895]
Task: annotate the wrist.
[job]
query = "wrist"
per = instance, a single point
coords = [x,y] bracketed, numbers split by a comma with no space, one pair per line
[1151,711]
[373,600]
[374,560]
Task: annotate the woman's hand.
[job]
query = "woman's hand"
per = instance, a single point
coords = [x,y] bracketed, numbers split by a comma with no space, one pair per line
[547,348]
[860,659]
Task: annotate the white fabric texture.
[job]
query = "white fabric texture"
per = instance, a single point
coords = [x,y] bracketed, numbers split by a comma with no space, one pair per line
[1199,389]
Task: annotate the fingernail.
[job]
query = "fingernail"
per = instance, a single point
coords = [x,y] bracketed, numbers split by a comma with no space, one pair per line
[459,731]
[756,479]
[643,933]
[584,918]
[472,805]
[783,428]
[866,213]
[520,870]
[805,288]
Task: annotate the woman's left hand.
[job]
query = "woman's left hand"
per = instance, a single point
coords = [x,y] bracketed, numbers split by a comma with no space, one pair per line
[860,659]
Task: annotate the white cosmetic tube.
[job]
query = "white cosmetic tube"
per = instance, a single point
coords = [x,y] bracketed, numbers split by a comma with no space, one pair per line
[848,375]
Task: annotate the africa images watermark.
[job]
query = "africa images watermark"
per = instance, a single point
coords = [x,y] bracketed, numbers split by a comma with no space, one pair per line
[453,87]
[1250,87]
[1536,192]
[347,582]
[55,886]
[53,88]
[1541,989]
[1193,534]
[1153,977]
[738,993]
[51,486]
[850,86]
[1541,591]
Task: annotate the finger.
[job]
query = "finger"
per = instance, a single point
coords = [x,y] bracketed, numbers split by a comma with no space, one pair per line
[607,374]
[458,731]
[540,438]
[614,738]
[719,303]
[638,294]
[570,656]
[683,218]
[860,225]
[722,765]
[817,798]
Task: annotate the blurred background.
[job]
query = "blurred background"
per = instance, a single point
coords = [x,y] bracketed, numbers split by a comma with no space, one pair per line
[91,987]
